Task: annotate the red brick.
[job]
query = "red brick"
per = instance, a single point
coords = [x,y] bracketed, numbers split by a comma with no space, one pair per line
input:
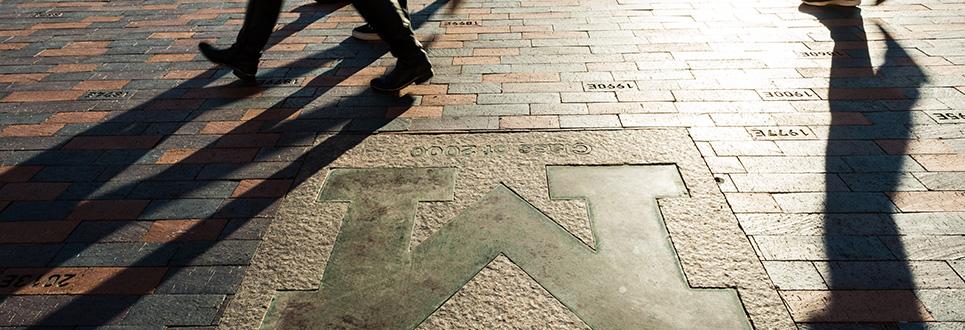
[68,25]
[42,96]
[35,231]
[17,173]
[171,35]
[262,188]
[235,127]
[87,44]
[31,130]
[187,74]
[84,280]
[425,89]
[200,156]
[32,191]
[414,112]
[21,77]
[184,230]
[108,210]
[78,117]
[13,45]
[113,142]
[101,19]
[855,306]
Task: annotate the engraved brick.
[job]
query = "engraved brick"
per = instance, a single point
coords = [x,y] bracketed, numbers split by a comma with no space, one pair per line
[82,280]
[184,230]
[88,85]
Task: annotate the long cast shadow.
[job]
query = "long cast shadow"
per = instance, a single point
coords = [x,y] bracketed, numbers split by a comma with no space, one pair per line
[96,310]
[869,277]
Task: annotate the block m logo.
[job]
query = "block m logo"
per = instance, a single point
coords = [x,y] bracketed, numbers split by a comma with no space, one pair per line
[630,280]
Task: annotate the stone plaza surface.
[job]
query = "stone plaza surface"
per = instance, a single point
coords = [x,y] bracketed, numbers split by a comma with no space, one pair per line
[720,164]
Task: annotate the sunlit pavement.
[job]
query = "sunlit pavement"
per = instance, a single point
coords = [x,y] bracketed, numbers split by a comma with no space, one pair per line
[143,187]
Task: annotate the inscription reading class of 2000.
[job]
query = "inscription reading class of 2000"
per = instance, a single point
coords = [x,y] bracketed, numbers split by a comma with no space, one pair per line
[491,149]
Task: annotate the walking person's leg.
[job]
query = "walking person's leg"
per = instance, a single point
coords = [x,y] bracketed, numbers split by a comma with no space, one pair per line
[368,33]
[392,24]
[242,57]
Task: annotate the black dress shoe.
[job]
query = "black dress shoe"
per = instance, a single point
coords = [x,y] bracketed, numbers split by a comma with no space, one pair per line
[404,74]
[244,66]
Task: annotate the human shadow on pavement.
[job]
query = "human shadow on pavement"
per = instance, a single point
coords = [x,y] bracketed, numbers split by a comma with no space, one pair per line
[319,131]
[867,272]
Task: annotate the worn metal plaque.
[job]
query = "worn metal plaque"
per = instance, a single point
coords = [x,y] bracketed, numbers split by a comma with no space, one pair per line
[604,230]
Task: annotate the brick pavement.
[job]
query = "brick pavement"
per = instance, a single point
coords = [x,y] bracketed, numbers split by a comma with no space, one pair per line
[136,180]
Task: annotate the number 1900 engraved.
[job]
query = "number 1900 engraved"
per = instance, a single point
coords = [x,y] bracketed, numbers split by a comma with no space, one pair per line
[494,149]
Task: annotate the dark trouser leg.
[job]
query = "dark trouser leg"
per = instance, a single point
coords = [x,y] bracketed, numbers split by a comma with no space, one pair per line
[392,23]
[260,19]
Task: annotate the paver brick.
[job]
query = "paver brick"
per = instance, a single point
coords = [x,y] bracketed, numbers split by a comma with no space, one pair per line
[162,231]
[174,310]
[794,275]
[853,306]
[114,254]
[888,275]
[202,280]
